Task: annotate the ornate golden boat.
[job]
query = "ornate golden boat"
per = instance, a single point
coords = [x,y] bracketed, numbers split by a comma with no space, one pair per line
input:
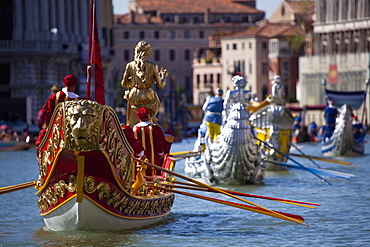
[87,172]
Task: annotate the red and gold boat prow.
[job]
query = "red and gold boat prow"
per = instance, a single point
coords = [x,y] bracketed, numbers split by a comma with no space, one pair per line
[87,173]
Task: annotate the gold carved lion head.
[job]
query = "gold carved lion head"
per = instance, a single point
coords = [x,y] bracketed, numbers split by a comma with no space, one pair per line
[83,125]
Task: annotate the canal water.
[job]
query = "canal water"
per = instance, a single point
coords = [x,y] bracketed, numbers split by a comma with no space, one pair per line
[343,219]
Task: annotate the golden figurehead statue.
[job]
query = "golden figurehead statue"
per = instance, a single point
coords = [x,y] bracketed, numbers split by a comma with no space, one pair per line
[139,76]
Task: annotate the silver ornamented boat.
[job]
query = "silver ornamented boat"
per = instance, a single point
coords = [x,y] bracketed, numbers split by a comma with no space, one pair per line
[235,158]
[342,142]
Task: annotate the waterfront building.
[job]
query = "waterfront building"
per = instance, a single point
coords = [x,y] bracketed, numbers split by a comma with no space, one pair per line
[177,30]
[43,41]
[341,51]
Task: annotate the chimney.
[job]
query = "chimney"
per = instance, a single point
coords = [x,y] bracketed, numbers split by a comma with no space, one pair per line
[207,15]
[132,16]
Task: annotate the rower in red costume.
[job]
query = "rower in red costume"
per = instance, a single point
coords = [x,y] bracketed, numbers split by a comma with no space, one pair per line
[151,138]
[67,93]
[136,146]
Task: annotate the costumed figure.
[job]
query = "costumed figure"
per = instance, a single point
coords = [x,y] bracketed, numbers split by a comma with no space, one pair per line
[66,94]
[238,95]
[277,87]
[358,129]
[213,108]
[138,78]
[297,123]
[46,112]
[330,114]
[136,146]
[312,131]
[150,136]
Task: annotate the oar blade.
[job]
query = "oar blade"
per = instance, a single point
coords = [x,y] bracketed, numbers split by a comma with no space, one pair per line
[325,172]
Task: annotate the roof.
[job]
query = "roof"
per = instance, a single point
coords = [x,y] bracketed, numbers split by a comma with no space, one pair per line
[268,30]
[198,6]
[305,7]
[138,18]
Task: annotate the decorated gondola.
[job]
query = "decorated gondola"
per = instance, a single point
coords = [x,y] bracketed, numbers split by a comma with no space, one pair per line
[87,173]
[234,157]
[343,133]
[273,126]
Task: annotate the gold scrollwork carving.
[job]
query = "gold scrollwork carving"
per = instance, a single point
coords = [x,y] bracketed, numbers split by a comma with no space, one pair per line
[126,205]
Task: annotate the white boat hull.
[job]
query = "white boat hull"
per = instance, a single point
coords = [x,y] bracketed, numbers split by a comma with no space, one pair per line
[74,215]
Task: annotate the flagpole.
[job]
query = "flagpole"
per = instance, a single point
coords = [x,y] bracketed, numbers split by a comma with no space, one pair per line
[89,53]
[367,81]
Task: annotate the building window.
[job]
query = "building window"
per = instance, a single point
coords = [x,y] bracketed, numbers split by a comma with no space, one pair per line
[142,35]
[264,45]
[286,66]
[187,34]
[265,68]
[250,45]
[211,79]
[201,34]
[187,54]
[172,34]
[156,34]
[205,79]
[172,55]
[227,46]
[157,55]
[198,81]
[265,91]
[234,46]
[126,34]
[126,55]
[187,83]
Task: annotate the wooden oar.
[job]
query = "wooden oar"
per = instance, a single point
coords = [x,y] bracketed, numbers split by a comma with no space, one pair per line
[301,152]
[233,193]
[286,156]
[340,162]
[12,188]
[325,172]
[210,187]
[272,213]
[243,194]
[186,154]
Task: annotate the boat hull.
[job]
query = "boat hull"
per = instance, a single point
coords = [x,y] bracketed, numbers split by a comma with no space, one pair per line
[342,142]
[74,215]
[95,184]
[234,158]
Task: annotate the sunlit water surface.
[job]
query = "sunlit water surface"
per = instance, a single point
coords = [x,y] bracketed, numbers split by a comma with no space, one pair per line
[343,219]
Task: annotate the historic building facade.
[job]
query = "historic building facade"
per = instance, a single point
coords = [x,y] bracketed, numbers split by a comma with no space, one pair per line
[268,49]
[178,31]
[341,50]
[43,41]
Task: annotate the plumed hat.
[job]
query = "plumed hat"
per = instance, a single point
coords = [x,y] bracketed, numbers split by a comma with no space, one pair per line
[142,113]
[70,81]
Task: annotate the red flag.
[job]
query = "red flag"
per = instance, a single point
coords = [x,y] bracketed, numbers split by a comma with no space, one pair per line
[94,58]
[98,69]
